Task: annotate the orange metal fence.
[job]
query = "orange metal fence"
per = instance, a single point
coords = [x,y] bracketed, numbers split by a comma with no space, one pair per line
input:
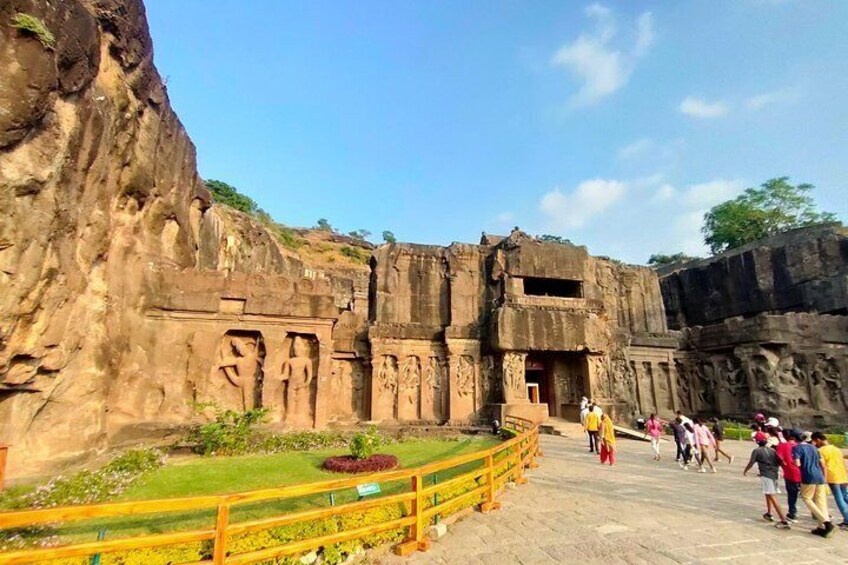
[500,464]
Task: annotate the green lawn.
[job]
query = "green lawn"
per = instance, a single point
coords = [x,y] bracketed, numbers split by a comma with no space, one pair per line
[216,475]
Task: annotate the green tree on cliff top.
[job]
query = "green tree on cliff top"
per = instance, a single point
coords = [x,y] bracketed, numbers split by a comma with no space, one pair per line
[658,260]
[774,207]
[227,194]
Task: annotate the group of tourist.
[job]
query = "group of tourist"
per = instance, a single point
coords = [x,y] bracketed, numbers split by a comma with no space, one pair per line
[810,464]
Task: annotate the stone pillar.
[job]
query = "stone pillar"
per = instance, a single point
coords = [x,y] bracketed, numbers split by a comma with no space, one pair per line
[323,392]
[463,369]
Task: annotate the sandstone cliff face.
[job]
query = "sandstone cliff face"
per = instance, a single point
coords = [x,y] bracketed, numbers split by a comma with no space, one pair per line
[97,182]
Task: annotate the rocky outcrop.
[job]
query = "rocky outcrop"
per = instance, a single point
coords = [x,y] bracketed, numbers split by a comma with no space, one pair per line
[98,182]
[804,270]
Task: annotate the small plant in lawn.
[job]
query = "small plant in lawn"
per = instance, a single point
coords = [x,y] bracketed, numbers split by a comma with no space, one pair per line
[29,24]
[362,458]
[364,444]
[232,433]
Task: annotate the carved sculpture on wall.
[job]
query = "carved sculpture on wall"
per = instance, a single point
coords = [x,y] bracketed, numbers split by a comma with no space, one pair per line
[409,388]
[623,378]
[357,379]
[759,366]
[488,380]
[514,383]
[410,379]
[387,375]
[599,370]
[684,385]
[433,389]
[825,384]
[298,374]
[241,359]
[465,375]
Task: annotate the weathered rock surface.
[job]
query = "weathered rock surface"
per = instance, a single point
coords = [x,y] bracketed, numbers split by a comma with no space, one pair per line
[805,270]
[99,193]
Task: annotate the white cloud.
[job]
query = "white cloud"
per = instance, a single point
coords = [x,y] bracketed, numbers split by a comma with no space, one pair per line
[700,108]
[601,68]
[664,193]
[504,217]
[636,149]
[707,194]
[644,34]
[760,101]
[590,198]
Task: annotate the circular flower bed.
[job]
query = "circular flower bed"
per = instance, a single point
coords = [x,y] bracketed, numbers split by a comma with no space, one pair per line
[349,464]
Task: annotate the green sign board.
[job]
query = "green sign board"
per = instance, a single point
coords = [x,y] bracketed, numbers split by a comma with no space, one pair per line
[368,489]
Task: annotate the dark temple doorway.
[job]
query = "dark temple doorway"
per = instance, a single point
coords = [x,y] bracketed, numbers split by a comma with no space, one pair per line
[558,380]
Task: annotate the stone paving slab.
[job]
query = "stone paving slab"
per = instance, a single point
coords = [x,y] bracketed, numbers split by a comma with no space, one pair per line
[640,511]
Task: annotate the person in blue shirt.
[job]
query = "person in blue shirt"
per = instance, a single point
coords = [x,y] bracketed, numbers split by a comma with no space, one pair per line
[813,484]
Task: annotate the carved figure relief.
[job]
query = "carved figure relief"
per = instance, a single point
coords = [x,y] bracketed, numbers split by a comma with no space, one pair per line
[410,378]
[357,379]
[387,375]
[684,384]
[298,374]
[825,384]
[465,375]
[513,376]
[759,367]
[600,375]
[432,389]
[410,387]
[241,358]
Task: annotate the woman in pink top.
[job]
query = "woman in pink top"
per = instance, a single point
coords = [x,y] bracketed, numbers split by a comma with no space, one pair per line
[705,441]
[654,428]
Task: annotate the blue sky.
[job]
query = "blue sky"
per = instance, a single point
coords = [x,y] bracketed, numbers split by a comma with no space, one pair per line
[614,124]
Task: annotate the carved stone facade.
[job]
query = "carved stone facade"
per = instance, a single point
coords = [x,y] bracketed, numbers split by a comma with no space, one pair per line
[768,329]
[514,315]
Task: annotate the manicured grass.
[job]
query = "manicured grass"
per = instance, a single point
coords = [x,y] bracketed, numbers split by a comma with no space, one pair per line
[218,475]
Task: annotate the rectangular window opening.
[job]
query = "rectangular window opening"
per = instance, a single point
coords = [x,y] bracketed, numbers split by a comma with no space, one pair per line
[562,288]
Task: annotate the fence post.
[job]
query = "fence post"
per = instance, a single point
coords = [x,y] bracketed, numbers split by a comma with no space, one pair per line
[417,541]
[491,503]
[222,522]
[520,479]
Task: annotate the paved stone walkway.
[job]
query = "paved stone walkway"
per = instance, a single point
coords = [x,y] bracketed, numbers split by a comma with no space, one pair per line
[574,510]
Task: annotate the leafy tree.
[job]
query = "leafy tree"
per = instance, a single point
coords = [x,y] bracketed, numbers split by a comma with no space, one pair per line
[324,225]
[228,195]
[548,238]
[658,260]
[359,235]
[775,207]
[389,237]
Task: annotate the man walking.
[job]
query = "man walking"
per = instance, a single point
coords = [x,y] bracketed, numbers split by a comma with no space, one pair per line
[591,425]
[835,474]
[718,434]
[791,474]
[768,464]
[679,439]
[813,485]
